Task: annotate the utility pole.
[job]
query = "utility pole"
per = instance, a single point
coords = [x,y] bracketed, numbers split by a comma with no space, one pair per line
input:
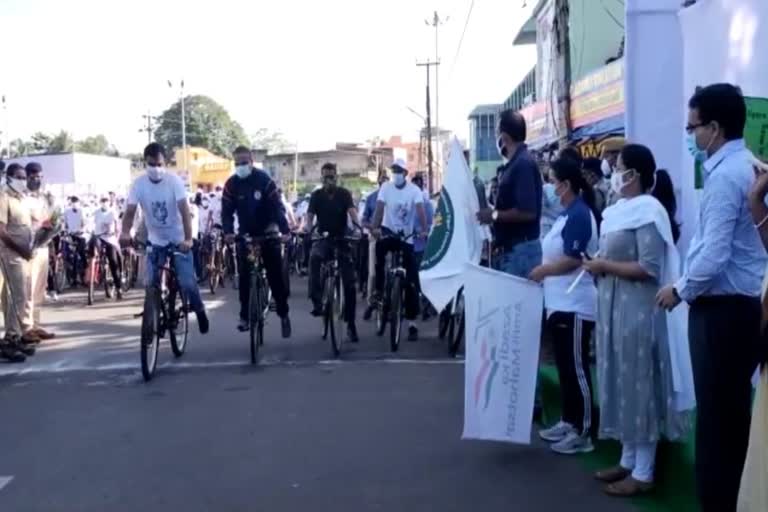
[435,22]
[431,176]
[6,132]
[150,121]
[183,123]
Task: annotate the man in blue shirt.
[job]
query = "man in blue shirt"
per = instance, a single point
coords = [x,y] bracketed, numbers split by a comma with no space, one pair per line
[517,214]
[253,196]
[722,283]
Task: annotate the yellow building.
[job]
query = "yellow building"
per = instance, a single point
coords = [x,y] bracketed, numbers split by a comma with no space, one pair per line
[202,167]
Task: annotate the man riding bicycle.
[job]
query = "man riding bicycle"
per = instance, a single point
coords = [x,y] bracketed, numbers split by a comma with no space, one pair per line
[397,205]
[74,226]
[166,215]
[105,235]
[253,196]
[333,207]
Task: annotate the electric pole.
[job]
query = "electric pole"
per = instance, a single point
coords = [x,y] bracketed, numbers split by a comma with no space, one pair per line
[431,176]
[6,132]
[150,121]
[435,22]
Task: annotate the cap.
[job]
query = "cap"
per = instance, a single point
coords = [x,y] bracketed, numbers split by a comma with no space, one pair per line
[399,163]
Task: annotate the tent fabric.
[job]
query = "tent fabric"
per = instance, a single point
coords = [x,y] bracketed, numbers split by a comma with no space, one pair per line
[613,125]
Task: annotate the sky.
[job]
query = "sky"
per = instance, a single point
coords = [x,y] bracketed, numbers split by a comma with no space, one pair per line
[317,71]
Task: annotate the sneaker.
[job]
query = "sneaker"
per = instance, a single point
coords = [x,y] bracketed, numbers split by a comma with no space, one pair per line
[368,313]
[55,297]
[352,333]
[556,433]
[202,321]
[243,325]
[10,354]
[43,334]
[285,325]
[573,444]
[317,310]
[413,333]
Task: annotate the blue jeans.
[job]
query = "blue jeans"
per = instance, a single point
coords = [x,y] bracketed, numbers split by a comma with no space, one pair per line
[185,273]
[521,259]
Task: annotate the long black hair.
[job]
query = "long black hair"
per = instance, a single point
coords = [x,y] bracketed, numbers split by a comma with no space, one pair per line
[568,169]
[657,183]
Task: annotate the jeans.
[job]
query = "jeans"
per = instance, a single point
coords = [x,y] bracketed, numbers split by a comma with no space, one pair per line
[114,259]
[272,258]
[521,259]
[185,273]
[386,245]
[322,250]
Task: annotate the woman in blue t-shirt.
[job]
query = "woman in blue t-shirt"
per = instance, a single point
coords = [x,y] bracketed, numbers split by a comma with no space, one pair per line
[570,310]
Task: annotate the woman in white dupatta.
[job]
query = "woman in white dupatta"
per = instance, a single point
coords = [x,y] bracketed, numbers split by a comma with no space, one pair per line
[644,374]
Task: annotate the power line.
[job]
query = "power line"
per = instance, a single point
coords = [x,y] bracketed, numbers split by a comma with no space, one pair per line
[610,15]
[463,32]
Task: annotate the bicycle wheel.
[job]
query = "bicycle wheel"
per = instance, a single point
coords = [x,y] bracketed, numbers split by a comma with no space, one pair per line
[382,315]
[150,332]
[256,318]
[457,319]
[444,321]
[178,323]
[338,313]
[106,278]
[331,309]
[59,274]
[213,273]
[396,314]
[92,282]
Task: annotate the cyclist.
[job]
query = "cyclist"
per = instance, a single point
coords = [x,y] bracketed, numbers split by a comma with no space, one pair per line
[397,204]
[252,195]
[163,202]
[367,218]
[105,235]
[74,225]
[333,206]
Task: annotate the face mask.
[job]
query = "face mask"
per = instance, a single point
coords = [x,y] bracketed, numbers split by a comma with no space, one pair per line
[33,186]
[501,148]
[205,204]
[605,167]
[699,155]
[155,173]
[103,207]
[329,182]
[242,171]
[399,179]
[559,195]
[19,186]
[617,182]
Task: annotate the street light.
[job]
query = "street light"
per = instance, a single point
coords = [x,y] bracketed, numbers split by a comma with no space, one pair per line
[183,123]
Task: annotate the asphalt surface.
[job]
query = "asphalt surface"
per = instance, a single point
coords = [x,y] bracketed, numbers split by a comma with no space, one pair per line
[83,432]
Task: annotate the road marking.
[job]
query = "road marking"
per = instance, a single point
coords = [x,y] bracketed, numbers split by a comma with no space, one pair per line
[5,480]
[64,367]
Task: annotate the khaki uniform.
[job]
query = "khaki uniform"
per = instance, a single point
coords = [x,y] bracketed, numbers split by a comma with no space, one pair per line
[40,208]
[18,284]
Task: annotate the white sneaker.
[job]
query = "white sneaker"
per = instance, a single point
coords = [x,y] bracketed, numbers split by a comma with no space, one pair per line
[55,297]
[573,444]
[556,433]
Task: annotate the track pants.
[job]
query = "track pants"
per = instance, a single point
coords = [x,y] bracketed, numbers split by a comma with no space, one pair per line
[571,336]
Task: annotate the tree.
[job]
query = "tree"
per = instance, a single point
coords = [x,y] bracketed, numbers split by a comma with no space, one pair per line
[61,143]
[97,145]
[41,142]
[208,126]
[273,142]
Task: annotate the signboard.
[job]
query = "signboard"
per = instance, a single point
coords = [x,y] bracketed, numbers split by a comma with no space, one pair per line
[537,122]
[599,95]
[544,55]
[756,132]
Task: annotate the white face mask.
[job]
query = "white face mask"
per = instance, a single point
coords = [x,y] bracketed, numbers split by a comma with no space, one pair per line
[17,185]
[243,171]
[617,182]
[205,204]
[155,173]
[399,179]
[605,167]
[104,207]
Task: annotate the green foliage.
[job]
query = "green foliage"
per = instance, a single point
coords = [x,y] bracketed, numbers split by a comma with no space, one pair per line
[208,125]
[273,142]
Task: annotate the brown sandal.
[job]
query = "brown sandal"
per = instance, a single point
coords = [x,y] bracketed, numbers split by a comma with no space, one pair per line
[611,475]
[628,488]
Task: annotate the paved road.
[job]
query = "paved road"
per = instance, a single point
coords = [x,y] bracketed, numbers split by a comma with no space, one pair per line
[82,432]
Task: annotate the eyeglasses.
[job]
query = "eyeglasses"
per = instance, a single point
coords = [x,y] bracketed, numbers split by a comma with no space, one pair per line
[691,127]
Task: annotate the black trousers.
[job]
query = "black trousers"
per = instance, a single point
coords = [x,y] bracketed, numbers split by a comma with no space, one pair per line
[114,258]
[273,262]
[322,250]
[724,335]
[571,339]
[362,262]
[389,244]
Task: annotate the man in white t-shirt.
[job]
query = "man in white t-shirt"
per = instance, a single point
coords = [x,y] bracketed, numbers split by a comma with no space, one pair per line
[74,225]
[105,235]
[163,200]
[398,205]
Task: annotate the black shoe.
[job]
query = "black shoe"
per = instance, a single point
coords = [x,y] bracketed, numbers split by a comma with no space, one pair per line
[202,321]
[368,313]
[316,311]
[413,333]
[119,294]
[352,333]
[25,348]
[10,354]
[285,325]
[243,325]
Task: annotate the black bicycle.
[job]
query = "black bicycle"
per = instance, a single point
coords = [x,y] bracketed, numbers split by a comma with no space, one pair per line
[130,271]
[99,274]
[390,307]
[165,312]
[333,291]
[260,294]
[451,323]
[74,263]
[57,265]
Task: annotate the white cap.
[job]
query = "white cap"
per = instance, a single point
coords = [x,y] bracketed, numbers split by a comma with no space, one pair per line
[399,162]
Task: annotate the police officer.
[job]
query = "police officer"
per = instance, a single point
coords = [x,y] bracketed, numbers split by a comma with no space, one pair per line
[252,195]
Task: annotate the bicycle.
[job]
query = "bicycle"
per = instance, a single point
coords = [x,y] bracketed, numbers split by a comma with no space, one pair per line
[165,311]
[451,323]
[57,264]
[260,294]
[390,307]
[99,272]
[130,268]
[333,292]
[216,261]
[73,259]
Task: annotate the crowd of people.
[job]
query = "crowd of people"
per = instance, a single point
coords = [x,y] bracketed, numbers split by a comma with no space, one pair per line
[600,235]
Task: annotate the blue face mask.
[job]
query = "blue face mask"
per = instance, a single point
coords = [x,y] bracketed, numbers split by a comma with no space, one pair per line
[243,171]
[399,179]
[698,155]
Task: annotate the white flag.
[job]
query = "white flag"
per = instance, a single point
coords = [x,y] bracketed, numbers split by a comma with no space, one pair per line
[503,331]
[456,237]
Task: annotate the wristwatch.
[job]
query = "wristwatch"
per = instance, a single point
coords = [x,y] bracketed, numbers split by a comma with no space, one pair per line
[494,215]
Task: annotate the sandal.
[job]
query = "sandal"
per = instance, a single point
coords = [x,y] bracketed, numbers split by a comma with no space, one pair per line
[614,474]
[628,488]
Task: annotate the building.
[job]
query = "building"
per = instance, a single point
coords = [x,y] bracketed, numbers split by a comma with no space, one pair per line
[484,155]
[411,152]
[203,167]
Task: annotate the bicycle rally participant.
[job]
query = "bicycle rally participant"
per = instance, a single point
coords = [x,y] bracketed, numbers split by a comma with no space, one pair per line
[74,225]
[397,204]
[105,235]
[333,206]
[163,201]
[252,195]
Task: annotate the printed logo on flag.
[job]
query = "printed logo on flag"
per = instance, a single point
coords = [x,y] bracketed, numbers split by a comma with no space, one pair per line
[442,232]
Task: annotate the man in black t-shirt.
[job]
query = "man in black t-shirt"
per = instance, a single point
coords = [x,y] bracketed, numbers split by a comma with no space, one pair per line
[333,207]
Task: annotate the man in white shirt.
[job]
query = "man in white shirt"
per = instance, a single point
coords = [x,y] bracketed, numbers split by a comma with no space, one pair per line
[74,225]
[397,206]
[105,236]
[163,200]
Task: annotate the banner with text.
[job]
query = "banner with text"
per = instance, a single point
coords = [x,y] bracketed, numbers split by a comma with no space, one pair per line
[503,333]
